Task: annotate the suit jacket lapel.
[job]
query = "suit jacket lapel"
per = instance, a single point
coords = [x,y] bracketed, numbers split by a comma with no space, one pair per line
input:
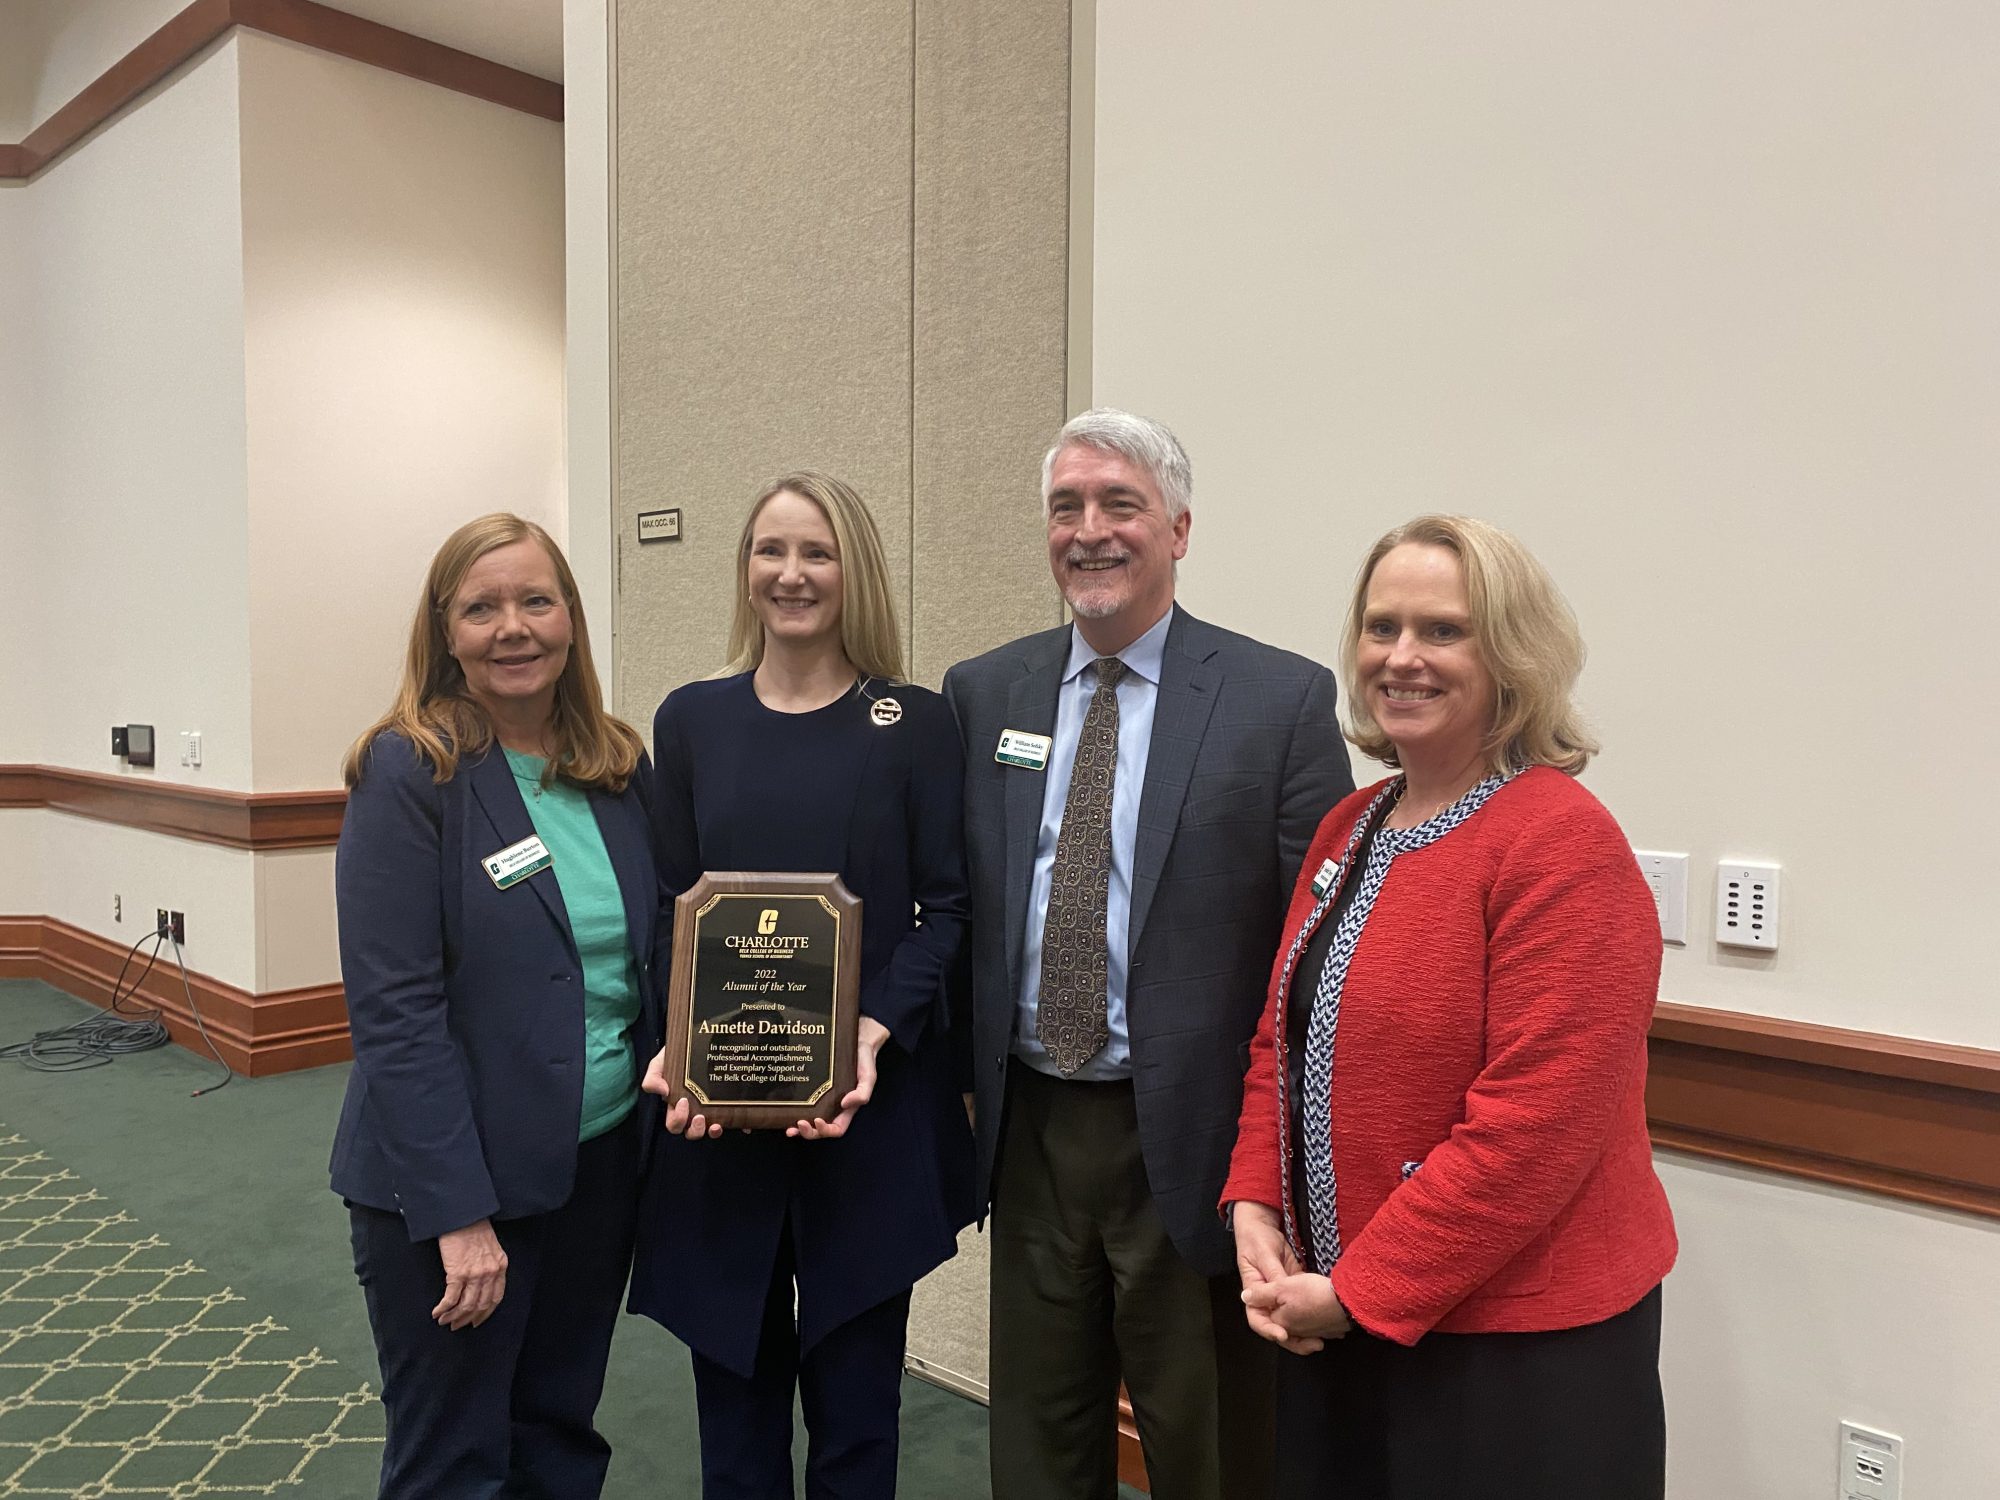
[624,837]
[500,799]
[1031,706]
[1188,686]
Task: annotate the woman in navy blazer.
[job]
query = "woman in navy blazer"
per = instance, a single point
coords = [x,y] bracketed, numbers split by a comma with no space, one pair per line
[497,902]
[785,1259]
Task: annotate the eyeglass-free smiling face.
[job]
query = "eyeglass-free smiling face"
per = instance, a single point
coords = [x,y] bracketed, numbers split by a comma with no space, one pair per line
[1419,663]
[509,628]
[1112,546]
[793,572]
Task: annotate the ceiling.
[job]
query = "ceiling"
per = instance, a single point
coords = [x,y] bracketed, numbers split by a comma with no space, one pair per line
[524,34]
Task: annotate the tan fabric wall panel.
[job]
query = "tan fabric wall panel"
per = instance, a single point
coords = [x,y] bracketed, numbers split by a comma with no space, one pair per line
[992,268]
[842,242]
[763,293]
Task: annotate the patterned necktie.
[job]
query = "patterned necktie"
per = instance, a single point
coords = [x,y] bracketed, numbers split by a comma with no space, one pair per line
[1071,1021]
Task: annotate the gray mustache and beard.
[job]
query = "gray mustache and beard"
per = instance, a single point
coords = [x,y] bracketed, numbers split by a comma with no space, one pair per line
[1080,594]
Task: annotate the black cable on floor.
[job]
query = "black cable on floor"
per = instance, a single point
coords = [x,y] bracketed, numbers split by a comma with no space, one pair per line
[96,1040]
[195,1011]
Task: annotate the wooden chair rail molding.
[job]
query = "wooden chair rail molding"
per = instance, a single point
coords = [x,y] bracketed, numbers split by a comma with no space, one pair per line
[257,1035]
[1892,1115]
[239,820]
[317,26]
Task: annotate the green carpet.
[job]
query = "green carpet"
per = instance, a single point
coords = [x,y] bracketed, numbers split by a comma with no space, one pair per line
[178,1312]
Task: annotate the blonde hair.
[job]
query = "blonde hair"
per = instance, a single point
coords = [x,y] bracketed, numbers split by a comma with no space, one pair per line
[434,711]
[1525,634]
[868,630]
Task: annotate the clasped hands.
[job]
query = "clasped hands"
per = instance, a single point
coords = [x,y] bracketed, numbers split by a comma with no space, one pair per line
[1292,1307]
[683,1121]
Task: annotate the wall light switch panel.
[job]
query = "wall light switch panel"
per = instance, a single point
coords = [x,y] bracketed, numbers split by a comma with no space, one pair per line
[1667,878]
[1746,906]
[191,747]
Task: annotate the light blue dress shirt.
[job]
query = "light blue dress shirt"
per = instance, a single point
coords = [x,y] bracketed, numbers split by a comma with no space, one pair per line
[1138,693]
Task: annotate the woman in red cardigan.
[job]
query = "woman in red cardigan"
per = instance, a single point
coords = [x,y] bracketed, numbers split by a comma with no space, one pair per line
[1442,1192]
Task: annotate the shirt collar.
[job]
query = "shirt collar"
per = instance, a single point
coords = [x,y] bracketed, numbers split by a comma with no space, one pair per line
[1143,656]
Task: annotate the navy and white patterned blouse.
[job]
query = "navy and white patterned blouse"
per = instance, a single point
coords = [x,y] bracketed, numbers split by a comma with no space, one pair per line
[1312,1189]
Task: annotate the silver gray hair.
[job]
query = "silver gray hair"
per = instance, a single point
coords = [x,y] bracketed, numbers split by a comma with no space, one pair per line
[1142,440]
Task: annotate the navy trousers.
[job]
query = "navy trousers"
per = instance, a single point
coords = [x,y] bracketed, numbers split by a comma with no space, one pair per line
[850,1385]
[504,1409]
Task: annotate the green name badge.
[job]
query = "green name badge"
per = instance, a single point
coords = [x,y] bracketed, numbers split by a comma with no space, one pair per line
[517,862]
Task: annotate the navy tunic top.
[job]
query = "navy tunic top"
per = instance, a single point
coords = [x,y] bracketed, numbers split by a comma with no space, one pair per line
[739,786]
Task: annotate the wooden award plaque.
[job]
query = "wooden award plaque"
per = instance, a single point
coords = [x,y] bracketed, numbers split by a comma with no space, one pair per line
[764,997]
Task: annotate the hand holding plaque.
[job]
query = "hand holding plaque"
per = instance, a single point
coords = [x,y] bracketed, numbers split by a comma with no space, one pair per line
[763,1005]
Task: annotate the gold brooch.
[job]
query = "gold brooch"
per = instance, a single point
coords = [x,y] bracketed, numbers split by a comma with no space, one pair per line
[886,711]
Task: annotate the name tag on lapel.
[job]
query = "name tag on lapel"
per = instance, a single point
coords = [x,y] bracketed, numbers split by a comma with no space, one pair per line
[1019,748]
[517,862]
[1323,881]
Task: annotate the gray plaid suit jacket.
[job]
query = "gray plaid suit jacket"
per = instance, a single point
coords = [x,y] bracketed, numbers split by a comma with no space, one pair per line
[1246,759]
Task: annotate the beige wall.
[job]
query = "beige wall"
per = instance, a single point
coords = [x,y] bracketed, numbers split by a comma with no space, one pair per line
[1700,304]
[51,49]
[20,522]
[404,326]
[21,833]
[839,246]
[590,321]
[133,515]
[136,341]
[1698,300]
[17,79]
[1796,1306]
[279,327]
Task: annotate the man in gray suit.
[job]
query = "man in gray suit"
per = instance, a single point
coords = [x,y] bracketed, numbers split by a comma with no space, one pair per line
[1140,790]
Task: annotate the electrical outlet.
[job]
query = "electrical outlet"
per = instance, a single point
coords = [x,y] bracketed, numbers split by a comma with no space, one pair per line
[1871,1464]
[1746,906]
[117,908]
[161,925]
[177,926]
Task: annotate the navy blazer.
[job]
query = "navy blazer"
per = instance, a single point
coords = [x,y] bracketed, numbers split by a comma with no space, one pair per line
[869,1213]
[466,1001]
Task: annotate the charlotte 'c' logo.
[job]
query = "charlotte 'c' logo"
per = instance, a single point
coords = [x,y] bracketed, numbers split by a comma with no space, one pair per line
[767,923]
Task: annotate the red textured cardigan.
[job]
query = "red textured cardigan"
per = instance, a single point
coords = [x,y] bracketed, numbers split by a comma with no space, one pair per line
[1489,1120]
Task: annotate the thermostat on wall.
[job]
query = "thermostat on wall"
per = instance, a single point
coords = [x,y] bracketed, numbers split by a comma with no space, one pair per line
[659,525]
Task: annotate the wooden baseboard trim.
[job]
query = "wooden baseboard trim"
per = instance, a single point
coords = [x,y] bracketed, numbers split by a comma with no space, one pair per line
[237,820]
[322,27]
[257,1035]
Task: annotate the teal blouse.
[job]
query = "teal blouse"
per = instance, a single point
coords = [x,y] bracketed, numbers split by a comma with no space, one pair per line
[568,828]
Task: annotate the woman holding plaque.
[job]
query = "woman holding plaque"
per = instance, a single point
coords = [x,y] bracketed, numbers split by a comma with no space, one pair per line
[497,903]
[784,1258]
[1442,1190]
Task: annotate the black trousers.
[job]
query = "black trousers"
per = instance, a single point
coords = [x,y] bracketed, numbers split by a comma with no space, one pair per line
[504,1409]
[1087,1287]
[849,1384]
[1574,1414]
